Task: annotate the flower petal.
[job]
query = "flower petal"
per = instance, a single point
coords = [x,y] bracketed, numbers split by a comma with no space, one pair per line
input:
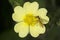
[34,6]
[42,29]
[42,12]
[31,7]
[37,29]
[22,29]
[18,14]
[17,17]
[44,19]
[18,9]
[26,5]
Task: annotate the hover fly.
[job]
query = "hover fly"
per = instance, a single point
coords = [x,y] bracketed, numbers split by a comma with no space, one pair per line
[39,20]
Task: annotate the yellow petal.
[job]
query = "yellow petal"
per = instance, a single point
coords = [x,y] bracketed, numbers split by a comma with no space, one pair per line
[26,5]
[42,29]
[17,17]
[18,14]
[44,19]
[31,7]
[42,12]
[35,30]
[34,6]
[18,10]
[22,29]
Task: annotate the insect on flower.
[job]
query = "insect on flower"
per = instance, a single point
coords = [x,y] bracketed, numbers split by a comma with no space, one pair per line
[39,21]
[30,19]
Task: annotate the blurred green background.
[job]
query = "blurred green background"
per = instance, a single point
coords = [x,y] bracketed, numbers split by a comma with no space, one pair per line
[7,24]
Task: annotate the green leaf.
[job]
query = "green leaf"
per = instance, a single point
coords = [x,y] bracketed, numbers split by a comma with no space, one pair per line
[16,2]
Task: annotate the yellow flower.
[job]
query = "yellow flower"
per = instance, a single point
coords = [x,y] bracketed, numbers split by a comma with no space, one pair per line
[30,19]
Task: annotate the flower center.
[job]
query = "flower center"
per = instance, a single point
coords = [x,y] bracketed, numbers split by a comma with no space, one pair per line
[30,19]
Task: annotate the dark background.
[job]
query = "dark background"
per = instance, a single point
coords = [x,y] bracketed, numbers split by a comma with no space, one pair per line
[7,24]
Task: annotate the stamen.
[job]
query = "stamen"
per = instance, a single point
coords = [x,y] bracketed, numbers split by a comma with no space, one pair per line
[30,19]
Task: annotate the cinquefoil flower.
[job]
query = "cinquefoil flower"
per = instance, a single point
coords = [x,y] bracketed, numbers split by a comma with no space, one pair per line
[30,19]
